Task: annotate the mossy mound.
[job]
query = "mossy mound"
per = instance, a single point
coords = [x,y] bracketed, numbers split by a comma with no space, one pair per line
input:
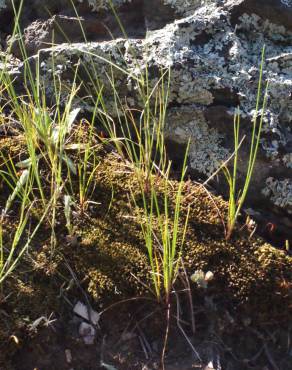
[251,275]
[110,262]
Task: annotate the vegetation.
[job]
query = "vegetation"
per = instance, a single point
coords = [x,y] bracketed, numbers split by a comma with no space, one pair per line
[237,199]
[141,230]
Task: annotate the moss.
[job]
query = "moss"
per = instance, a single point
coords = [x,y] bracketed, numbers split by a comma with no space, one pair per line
[26,297]
[12,147]
[113,261]
[250,277]
[106,263]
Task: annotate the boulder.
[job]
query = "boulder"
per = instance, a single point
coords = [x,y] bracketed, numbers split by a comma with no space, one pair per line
[91,21]
[158,12]
[213,49]
[59,29]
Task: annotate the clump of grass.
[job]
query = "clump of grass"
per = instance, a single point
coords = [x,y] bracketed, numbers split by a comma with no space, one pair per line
[237,198]
[47,126]
[164,231]
[87,164]
[13,247]
[141,139]
[141,143]
[138,136]
[137,133]
[47,132]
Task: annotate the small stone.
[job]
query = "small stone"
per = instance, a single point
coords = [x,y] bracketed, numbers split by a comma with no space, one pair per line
[87,332]
[68,355]
[198,277]
[86,313]
[209,276]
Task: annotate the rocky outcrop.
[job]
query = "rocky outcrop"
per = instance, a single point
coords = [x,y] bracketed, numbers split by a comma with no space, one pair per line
[213,50]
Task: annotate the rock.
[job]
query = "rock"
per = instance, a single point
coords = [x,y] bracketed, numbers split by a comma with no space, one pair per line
[213,49]
[68,355]
[60,29]
[280,193]
[39,19]
[202,279]
[87,332]
[90,315]
[275,11]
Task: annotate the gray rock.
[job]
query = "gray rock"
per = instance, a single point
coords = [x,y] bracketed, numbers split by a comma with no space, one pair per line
[213,49]
[93,23]
[280,193]
[133,14]
[276,11]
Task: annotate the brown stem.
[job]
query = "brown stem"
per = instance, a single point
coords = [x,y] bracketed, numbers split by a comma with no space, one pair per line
[166,335]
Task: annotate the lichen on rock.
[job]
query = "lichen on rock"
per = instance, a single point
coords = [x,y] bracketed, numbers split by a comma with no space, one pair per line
[97,5]
[206,151]
[2,4]
[280,193]
[213,50]
[186,7]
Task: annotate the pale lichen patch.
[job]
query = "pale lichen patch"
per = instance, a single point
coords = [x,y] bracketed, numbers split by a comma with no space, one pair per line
[97,5]
[279,192]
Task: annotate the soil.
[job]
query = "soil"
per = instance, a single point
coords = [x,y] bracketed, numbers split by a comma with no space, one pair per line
[242,319]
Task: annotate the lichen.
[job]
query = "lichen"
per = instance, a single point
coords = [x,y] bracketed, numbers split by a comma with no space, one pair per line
[287,2]
[2,4]
[279,193]
[287,160]
[206,151]
[204,52]
[97,5]
[183,6]
[186,7]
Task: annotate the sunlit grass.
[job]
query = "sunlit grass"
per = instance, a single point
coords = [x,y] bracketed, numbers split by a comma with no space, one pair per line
[237,198]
